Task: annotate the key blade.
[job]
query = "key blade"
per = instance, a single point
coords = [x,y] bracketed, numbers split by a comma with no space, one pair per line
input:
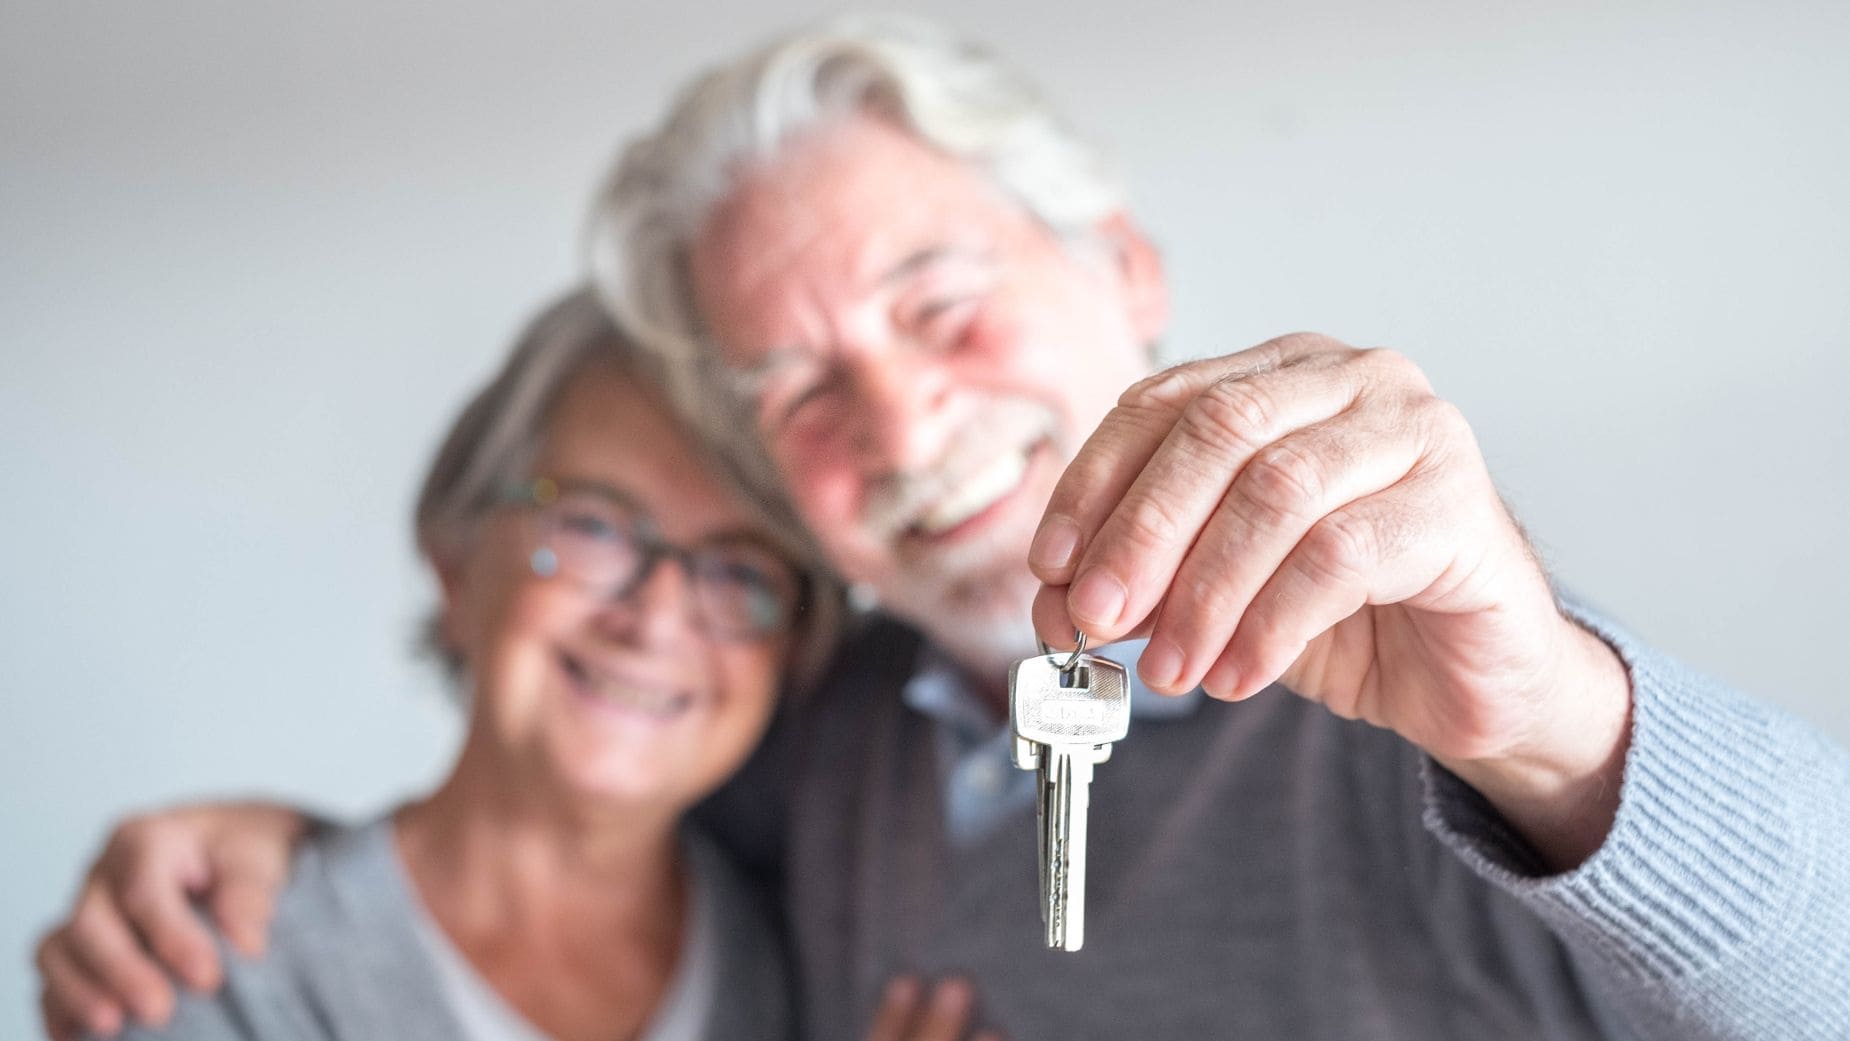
[1064,857]
[1043,822]
[1054,895]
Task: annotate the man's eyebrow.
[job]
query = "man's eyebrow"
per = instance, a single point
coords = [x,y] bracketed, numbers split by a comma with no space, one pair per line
[925,257]
[748,379]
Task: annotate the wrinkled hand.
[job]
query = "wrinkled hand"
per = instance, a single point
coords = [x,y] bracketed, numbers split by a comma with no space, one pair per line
[909,1012]
[1310,513]
[134,921]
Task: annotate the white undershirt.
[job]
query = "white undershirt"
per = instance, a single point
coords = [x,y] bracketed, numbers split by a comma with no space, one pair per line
[686,1007]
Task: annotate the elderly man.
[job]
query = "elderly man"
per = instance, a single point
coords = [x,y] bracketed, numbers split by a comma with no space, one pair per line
[907,299]
[908,305]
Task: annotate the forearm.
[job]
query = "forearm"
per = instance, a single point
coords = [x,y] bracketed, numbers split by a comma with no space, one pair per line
[1718,906]
[1560,789]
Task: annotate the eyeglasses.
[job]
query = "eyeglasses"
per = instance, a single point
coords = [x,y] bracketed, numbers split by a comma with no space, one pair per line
[600,539]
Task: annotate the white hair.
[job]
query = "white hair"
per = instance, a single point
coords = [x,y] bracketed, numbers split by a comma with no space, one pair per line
[949,92]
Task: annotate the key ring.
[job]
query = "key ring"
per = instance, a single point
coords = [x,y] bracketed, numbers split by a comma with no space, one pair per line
[1079,648]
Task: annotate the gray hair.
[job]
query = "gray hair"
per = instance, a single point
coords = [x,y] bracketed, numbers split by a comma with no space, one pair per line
[499,432]
[949,92]
[493,442]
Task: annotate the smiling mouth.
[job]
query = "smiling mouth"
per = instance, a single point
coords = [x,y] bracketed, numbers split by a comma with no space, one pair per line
[617,692]
[981,489]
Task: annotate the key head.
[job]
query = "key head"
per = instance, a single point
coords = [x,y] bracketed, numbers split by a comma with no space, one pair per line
[1091,705]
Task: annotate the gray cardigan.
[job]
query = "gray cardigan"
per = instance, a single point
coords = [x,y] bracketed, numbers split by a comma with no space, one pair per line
[1266,870]
[353,956]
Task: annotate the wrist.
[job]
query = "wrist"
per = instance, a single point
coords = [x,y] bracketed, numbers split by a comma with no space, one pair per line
[1559,787]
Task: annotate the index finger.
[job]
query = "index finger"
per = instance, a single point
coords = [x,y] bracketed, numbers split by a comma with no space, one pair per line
[147,884]
[1116,452]
[102,945]
[1137,502]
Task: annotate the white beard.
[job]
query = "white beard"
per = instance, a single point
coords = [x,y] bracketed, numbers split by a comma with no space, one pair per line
[983,620]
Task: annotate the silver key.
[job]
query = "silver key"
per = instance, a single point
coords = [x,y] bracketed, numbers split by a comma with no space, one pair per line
[1065,711]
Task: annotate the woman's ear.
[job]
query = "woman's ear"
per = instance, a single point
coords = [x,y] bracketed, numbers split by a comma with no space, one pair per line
[450,579]
[1140,274]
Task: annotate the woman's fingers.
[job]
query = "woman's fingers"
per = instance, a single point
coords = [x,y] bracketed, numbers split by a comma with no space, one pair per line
[154,905]
[134,921]
[146,873]
[248,874]
[947,1014]
[71,1002]
[909,1011]
[107,945]
[898,1005]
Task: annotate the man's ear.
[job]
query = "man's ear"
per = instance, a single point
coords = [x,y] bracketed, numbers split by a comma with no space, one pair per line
[1140,271]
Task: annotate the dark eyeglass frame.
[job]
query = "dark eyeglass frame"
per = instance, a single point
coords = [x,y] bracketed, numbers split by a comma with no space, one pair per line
[542,493]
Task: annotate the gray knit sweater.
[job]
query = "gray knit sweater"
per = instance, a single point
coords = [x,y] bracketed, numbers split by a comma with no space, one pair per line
[1266,870]
[353,957]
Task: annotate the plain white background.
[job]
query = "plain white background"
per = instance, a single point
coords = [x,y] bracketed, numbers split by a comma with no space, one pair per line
[253,256]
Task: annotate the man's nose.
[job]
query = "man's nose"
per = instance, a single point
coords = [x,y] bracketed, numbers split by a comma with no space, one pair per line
[901,418]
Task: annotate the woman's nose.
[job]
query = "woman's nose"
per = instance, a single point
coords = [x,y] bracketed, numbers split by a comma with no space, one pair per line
[659,609]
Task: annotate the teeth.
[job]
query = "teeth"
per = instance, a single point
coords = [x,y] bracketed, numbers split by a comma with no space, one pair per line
[982,490]
[656,703]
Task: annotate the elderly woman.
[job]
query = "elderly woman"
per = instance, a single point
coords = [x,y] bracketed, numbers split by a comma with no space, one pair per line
[620,623]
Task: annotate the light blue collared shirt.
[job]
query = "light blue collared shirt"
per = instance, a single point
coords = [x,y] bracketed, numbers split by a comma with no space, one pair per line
[981,785]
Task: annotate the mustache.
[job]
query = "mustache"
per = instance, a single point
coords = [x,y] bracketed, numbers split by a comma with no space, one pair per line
[896,500]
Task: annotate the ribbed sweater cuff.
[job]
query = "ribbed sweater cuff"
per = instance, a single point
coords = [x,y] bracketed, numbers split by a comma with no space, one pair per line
[1701,859]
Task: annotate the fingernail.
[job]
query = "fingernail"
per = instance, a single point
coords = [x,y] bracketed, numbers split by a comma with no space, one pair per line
[1161,663]
[1221,682]
[1097,599]
[106,1022]
[1055,544]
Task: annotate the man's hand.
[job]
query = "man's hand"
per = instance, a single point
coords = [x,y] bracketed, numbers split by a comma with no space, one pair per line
[133,921]
[1309,513]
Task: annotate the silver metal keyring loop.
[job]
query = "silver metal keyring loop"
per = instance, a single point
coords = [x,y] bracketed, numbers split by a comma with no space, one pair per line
[1079,648]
